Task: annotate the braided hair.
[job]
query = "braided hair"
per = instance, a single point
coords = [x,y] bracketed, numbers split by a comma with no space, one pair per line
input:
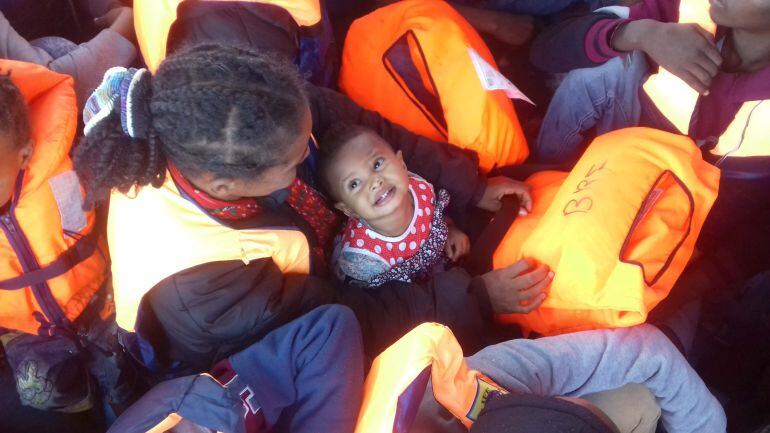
[216,109]
[14,117]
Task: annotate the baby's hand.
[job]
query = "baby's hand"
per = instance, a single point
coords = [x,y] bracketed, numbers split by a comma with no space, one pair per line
[500,186]
[457,243]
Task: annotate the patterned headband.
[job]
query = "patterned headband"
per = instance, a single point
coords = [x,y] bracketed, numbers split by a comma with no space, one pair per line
[127,90]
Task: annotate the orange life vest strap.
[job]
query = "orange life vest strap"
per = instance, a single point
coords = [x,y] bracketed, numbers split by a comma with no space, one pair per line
[80,251]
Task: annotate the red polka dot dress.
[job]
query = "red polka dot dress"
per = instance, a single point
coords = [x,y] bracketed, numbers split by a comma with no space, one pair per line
[364,255]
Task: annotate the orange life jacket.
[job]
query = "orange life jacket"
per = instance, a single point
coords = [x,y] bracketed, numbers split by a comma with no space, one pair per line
[154,233]
[617,231]
[746,136]
[153,20]
[413,62]
[399,376]
[49,263]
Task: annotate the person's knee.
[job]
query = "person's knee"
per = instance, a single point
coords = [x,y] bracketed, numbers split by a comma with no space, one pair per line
[599,82]
[340,323]
[339,315]
[631,407]
[644,401]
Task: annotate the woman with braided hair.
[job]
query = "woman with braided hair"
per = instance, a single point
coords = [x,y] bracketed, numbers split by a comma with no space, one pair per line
[216,232]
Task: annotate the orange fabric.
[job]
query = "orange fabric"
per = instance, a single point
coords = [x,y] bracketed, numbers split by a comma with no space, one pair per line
[617,231]
[153,20]
[400,368]
[53,117]
[434,90]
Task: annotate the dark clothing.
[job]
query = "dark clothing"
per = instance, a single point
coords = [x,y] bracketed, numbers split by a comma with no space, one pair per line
[203,314]
[70,372]
[523,413]
[263,27]
[304,377]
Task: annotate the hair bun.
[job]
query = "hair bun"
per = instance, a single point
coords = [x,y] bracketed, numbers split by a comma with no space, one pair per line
[125,91]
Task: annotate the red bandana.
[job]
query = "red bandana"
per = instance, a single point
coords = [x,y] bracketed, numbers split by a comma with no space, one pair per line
[226,210]
[305,200]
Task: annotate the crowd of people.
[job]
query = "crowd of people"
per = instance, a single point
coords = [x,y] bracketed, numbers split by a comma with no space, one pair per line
[296,216]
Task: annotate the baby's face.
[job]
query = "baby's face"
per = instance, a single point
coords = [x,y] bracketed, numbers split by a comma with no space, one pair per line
[369,179]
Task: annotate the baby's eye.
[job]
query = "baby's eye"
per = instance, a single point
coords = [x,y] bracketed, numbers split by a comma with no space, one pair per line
[378,163]
[354,184]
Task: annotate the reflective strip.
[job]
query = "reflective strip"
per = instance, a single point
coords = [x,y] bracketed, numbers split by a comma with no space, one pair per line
[748,134]
[674,98]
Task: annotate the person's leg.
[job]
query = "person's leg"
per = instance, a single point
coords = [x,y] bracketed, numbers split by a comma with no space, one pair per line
[308,374]
[631,407]
[55,46]
[605,97]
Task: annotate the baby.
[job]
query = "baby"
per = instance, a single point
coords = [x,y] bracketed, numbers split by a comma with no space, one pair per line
[396,228]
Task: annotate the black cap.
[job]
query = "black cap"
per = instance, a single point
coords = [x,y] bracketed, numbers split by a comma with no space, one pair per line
[535,414]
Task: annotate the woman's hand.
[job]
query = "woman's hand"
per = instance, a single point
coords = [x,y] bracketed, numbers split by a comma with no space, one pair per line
[519,288]
[500,186]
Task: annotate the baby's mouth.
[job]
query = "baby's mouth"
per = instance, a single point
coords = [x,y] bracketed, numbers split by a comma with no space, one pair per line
[385,197]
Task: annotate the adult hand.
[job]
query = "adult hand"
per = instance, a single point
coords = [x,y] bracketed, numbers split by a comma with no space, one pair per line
[500,186]
[120,20]
[519,288]
[686,50]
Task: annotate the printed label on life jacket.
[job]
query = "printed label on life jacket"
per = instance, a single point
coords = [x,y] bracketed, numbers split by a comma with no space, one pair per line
[492,79]
[66,191]
[484,391]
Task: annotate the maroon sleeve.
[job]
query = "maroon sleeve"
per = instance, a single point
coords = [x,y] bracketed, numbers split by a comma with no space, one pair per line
[597,42]
[598,38]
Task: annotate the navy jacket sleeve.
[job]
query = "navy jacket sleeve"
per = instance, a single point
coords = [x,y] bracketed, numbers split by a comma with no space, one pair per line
[441,164]
[211,311]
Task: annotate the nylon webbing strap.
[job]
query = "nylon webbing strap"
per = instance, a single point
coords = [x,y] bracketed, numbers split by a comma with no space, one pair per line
[81,250]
